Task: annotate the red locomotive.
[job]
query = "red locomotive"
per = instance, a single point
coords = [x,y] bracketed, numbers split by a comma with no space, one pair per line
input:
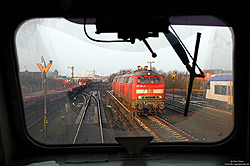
[143,91]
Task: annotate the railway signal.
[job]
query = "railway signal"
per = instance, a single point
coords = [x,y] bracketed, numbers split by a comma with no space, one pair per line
[173,76]
[44,69]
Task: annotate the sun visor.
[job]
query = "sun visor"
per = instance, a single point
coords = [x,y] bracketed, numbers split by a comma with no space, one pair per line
[196,20]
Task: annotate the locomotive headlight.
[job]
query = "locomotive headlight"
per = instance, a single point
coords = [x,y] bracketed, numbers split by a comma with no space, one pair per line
[141,97]
[159,97]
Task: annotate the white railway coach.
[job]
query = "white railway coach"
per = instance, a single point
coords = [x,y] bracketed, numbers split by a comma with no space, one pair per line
[220,89]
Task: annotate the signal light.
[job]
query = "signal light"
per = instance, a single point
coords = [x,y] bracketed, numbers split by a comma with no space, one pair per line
[139,67]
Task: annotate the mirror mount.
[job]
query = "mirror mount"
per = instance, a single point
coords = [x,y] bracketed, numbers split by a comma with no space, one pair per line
[131,28]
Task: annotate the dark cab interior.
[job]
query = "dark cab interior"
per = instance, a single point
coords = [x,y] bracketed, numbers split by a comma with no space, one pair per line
[16,148]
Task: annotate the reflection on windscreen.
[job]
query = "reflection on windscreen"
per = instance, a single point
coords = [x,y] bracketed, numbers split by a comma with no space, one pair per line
[77,91]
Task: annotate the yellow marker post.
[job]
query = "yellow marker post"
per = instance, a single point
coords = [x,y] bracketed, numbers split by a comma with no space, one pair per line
[44,69]
[173,75]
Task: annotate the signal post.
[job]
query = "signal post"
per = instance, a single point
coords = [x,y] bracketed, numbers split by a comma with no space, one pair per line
[44,69]
[173,76]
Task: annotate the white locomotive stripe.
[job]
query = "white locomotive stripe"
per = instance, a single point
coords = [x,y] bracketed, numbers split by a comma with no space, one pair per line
[141,91]
[158,90]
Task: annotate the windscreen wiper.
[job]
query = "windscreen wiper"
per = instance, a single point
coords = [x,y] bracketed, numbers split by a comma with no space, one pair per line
[178,46]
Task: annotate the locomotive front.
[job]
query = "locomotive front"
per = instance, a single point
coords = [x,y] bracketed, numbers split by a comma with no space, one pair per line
[149,92]
[143,91]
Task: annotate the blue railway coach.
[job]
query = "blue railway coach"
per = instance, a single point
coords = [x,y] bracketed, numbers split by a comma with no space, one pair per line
[219,89]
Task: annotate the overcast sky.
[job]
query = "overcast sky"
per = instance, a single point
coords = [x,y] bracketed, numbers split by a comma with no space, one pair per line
[66,44]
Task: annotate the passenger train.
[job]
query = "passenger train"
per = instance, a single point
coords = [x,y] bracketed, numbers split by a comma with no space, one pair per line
[219,90]
[143,91]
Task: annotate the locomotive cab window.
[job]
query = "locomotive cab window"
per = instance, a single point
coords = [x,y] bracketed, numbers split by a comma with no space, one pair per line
[131,80]
[83,84]
[143,80]
[155,80]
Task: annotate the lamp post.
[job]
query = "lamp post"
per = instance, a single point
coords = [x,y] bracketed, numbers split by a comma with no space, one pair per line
[150,64]
[44,69]
[72,74]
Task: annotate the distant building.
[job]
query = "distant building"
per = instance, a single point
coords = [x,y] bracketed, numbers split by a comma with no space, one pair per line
[39,74]
[34,74]
[93,74]
[209,72]
[53,74]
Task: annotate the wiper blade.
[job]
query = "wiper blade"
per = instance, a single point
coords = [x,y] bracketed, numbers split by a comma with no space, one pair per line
[180,51]
[193,74]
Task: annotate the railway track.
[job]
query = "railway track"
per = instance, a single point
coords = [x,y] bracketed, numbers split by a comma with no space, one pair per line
[36,117]
[124,122]
[203,124]
[127,116]
[90,128]
[204,117]
[160,129]
[199,102]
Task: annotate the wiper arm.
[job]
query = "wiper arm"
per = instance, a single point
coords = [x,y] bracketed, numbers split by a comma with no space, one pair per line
[184,47]
[178,49]
[150,49]
[177,46]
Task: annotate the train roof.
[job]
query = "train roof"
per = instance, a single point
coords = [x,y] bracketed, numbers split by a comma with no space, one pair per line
[139,72]
[221,77]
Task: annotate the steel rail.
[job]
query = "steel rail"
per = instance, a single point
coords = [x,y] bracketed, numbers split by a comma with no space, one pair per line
[99,115]
[79,126]
[203,105]
[198,119]
[157,134]
[49,112]
[153,130]
[198,113]
[117,103]
[175,129]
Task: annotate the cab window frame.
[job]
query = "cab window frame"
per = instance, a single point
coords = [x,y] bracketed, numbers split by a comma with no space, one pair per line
[19,110]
